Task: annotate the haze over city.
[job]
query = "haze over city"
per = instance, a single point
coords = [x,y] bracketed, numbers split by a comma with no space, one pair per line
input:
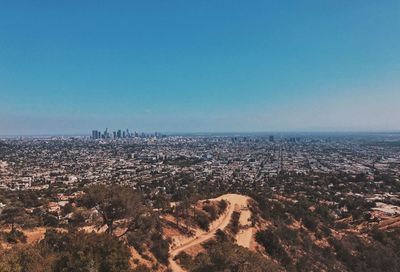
[190,66]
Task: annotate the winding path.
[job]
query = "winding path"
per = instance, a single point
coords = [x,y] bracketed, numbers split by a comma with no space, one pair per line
[234,201]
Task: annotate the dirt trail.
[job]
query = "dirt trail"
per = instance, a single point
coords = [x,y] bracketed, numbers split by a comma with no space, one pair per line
[234,201]
[243,238]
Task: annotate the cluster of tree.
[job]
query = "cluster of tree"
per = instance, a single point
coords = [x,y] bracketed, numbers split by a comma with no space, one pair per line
[68,251]
[223,255]
[118,206]
[380,254]
[147,235]
[295,248]
[211,212]
[123,212]
[234,223]
[14,217]
[274,247]
[185,209]
[119,209]
[28,209]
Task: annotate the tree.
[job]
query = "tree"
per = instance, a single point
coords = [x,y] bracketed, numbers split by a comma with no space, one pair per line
[234,224]
[203,221]
[114,203]
[12,215]
[178,210]
[161,202]
[29,198]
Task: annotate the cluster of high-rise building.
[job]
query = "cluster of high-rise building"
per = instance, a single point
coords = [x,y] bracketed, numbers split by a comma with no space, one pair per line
[122,134]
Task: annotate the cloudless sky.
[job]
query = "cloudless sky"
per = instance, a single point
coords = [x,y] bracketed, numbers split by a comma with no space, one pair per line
[199,66]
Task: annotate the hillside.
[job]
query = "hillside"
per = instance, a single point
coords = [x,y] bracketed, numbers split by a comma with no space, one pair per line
[233,232]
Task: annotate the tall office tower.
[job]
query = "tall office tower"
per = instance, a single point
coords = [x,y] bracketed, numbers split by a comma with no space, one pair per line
[119,133]
[98,135]
[106,133]
[271,138]
[123,134]
[114,134]
[94,134]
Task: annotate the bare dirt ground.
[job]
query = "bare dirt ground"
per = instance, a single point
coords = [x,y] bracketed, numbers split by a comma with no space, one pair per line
[234,202]
[35,235]
[32,235]
[390,223]
[243,238]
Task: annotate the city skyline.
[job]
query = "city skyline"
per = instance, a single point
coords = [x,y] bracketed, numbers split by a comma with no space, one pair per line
[199,67]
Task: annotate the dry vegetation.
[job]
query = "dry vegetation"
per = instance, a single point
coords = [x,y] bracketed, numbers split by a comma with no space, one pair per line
[110,228]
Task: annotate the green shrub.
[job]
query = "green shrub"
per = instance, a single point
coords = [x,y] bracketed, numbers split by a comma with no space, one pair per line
[202,221]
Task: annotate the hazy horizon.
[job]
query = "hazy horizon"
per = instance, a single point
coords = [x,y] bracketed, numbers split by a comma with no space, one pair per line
[207,67]
[220,133]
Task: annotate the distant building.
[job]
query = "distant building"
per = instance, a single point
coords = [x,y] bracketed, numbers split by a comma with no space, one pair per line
[96,134]
[23,183]
[125,134]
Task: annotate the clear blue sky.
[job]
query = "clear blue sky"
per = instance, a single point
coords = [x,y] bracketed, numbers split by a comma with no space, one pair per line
[199,66]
